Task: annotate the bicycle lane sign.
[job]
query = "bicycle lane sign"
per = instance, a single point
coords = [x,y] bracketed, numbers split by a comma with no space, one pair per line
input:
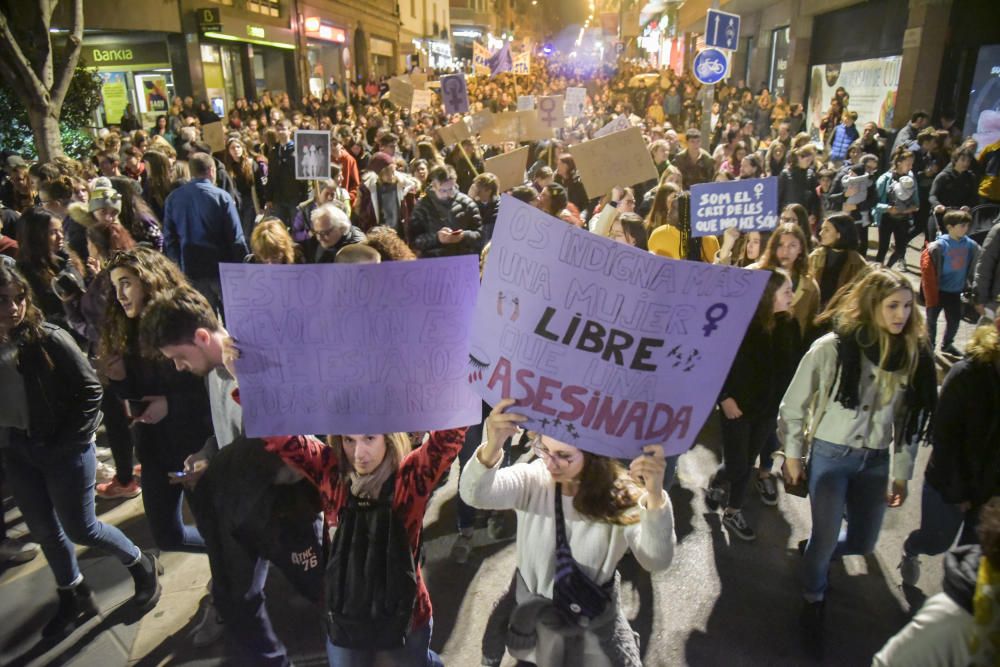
[711,66]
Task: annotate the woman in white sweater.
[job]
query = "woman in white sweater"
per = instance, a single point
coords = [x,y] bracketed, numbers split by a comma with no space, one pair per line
[578,513]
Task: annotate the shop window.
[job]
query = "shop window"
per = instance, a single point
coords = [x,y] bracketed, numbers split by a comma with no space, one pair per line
[265,7]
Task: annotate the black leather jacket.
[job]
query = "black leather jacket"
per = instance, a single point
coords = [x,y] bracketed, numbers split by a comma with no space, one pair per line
[64,394]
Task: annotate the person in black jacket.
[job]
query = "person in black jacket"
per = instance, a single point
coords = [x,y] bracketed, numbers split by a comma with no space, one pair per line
[169,409]
[797,184]
[964,469]
[761,371]
[445,222]
[48,418]
[283,192]
[332,230]
[567,176]
[955,187]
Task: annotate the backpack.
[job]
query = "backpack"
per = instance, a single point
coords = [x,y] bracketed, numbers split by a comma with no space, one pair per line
[371,575]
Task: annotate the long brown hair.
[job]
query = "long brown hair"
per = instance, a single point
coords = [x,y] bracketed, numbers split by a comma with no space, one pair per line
[764,316]
[660,210]
[158,179]
[606,491]
[157,274]
[34,254]
[242,171]
[30,328]
[769,260]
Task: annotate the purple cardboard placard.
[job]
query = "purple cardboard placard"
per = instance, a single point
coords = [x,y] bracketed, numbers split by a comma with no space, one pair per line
[455,93]
[605,347]
[750,205]
[330,348]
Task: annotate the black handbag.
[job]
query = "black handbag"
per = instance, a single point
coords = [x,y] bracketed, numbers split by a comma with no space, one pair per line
[574,593]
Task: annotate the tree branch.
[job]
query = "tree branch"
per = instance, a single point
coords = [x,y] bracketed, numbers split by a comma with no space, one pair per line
[18,63]
[74,45]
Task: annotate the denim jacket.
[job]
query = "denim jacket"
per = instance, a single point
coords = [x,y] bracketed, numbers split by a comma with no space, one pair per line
[809,410]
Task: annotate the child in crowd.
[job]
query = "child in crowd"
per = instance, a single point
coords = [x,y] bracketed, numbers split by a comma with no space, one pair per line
[946,270]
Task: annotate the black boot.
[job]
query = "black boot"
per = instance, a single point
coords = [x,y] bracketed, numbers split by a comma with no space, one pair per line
[146,573]
[76,605]
[811,621]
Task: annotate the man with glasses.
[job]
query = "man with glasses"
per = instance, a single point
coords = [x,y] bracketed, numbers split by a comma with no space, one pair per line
[332,230]
[445,222]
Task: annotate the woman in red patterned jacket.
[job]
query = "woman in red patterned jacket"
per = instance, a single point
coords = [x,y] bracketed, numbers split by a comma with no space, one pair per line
[374,491]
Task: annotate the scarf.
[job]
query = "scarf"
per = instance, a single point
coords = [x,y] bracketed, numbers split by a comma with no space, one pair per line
[369,486]
[984,643]
[921,392]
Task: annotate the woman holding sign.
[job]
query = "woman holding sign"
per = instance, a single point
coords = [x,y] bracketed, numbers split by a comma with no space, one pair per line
[374,491]
[858,406]
[577,515]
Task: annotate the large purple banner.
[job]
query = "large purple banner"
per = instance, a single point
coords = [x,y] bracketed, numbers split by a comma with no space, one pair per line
[604,346]
[329,348]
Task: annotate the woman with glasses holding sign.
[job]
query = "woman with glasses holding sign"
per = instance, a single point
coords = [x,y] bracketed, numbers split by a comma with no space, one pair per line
[578,513]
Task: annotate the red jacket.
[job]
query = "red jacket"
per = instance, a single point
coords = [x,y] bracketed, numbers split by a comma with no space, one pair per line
[416,478]
[349,176]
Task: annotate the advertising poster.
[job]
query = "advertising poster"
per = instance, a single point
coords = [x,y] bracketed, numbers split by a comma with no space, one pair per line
[114,96]
[982,119]
[870,83]
[154,91]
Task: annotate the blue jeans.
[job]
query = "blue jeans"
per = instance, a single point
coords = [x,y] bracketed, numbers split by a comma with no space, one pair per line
[416,653]
[940,524]
[163,503]
[951,304]
[842,480]
[54,487]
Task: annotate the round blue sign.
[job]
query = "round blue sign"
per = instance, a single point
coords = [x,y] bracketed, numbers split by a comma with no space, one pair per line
[710,66]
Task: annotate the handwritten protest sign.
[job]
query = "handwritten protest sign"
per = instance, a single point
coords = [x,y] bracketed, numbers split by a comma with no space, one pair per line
[419,80]
[421,99]
[454,133]
[750,206]
[550,111]
[525,102]
[508,168]
[530,126]
[617,125]
[332,348]
[605,347]
[620,158]
[214,136]
[455,93]
[576,99]
[479,121]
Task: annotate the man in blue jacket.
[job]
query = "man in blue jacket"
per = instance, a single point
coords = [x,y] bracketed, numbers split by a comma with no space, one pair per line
[201,229]
[843,136]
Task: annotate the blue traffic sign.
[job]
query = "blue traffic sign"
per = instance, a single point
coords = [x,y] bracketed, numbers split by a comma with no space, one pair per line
[710,66]
[722,30]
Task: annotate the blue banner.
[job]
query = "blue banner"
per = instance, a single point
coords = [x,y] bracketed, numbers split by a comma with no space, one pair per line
[750,206]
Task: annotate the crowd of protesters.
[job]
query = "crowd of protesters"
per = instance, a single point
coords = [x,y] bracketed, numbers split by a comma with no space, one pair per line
[110,313]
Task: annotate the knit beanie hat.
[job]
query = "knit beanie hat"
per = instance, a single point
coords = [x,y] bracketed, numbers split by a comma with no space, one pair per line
[102,195]
[379,161]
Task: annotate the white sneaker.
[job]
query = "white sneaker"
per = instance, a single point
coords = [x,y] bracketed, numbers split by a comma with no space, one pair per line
[209,629]
[16,550]
[105,473]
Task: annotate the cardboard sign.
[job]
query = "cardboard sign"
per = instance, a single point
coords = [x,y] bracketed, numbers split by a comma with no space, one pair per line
[530,126]
[550,111]
[214,136]
[340,348]
[617,125]
[750,206]
[479,121]
[312,154]
[418,80]
[576,100]
[400,92]
[509,168]
[525,102]
[455,92]
[620,158]
[454,133]
[421,100]
[605,347]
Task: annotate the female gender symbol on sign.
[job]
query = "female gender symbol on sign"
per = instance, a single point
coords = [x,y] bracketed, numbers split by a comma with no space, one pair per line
[715,313]
[455,93]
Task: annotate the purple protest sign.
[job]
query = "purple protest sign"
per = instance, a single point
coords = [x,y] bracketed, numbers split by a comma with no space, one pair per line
[750,205]
[604,346]
[332,348]
[455,93]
